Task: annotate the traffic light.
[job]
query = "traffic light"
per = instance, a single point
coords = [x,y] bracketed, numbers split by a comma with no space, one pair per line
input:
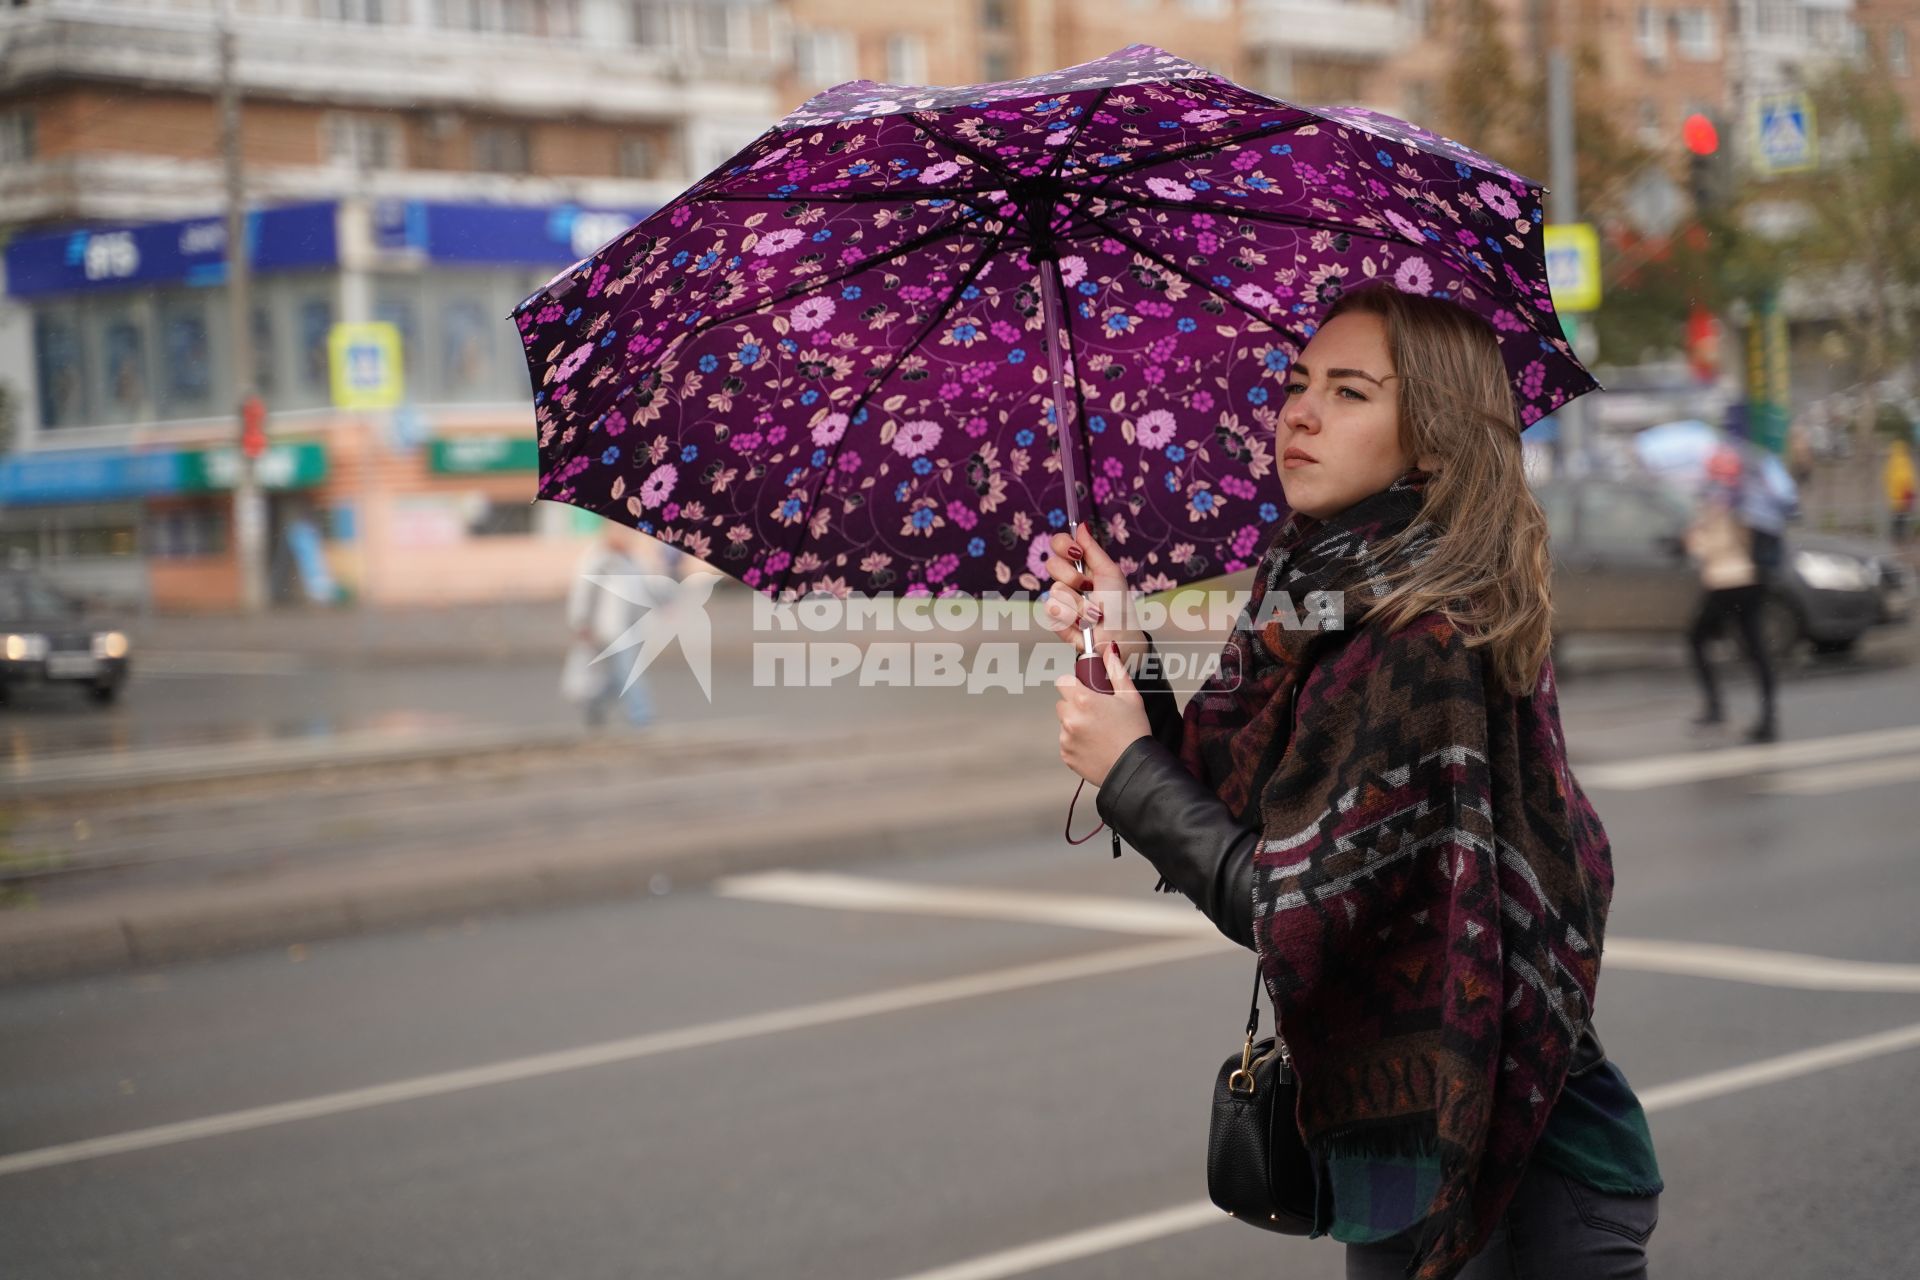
[1709,172]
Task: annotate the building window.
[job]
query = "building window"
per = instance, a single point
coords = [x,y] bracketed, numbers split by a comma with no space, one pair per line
[652,24]
[1694,35]
[1652,130]
[996,64]
[502,149]
[316,323]
[546,19]
[906,59]
[465,367]
[1897,51]
[123,359]
[636,158]
[1418,15]
[362,142]
[824,57]
[367,12]
[719,28]
[18,142]
[186,358]
[187,532]
[1651,34]
[60,356]
[492,518]
[993,14]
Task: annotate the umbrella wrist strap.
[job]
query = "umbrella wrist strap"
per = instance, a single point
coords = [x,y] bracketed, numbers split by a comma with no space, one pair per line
[1068,832]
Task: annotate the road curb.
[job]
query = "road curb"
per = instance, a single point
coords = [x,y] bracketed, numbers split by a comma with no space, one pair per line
[163,928]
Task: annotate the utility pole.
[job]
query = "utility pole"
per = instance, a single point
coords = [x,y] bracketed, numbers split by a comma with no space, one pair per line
[249,508]
[1563,203]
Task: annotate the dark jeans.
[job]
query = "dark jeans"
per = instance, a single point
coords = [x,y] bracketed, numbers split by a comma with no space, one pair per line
[1554,1229]
[1743,607]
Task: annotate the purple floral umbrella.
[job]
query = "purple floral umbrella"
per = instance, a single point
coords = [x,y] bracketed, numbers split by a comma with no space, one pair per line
[826,366]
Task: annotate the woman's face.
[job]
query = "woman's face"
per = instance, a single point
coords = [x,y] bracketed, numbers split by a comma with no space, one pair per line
[1341,415]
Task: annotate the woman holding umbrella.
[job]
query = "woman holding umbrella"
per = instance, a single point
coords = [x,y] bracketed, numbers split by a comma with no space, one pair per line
[1384,813]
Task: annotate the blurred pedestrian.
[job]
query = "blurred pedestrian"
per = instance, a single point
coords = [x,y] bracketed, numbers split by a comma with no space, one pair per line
[1733,559]
[599,614]
[1900,489]
[1373,838]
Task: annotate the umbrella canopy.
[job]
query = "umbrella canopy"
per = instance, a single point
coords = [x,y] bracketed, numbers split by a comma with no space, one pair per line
[846,360]
[1683,454]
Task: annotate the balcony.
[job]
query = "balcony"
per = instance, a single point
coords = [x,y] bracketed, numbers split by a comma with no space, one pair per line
[1352,31]
[593,63]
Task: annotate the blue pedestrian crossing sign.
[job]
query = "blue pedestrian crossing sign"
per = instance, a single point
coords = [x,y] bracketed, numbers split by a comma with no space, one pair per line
[366,365]
[1573,266]
[1783,133]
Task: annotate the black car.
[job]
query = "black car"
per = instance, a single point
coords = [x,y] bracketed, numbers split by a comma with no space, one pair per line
[1619,566]
[47,638]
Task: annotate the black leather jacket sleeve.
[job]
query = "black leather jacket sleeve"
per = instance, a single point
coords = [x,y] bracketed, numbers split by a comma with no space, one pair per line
[1184,830]
[1163,712]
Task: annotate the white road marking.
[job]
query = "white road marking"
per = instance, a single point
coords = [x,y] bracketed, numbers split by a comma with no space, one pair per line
[1845,777]
[1734,762]
[1127,1232]
[895,1000]
[1763,968]
[1717,1084]
[861,893]
[1118,915]
[1081,1244]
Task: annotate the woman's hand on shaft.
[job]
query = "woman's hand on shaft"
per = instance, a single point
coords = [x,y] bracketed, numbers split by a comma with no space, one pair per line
[1096,728]
[1096,594]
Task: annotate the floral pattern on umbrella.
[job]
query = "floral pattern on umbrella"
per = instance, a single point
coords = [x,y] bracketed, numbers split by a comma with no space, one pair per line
[823,368]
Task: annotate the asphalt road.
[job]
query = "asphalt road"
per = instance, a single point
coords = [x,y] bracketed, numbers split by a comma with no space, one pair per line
[991,1062]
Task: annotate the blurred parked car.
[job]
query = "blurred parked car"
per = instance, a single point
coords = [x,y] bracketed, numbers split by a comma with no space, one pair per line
[1620,566]
[48,638]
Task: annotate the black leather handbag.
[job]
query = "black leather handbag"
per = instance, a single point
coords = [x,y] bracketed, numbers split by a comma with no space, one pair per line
[1258,1169]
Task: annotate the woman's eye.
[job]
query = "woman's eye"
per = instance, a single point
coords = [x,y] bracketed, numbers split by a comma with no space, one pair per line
[1292,387]
[1349,391]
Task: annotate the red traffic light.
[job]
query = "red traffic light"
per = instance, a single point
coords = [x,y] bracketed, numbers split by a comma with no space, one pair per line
[1699,134]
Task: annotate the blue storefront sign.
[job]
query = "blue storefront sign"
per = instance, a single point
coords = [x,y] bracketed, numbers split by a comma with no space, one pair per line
[524,235]
[87,477]
[193,251]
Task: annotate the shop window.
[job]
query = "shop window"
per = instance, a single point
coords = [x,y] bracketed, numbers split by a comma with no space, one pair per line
[465,370]
[60,354]
[493,519]
[186,357]
[187,532]
[316,322]
[123,359]
[402,311]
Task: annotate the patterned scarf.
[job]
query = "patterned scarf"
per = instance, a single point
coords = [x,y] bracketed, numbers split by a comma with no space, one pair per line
[1432,885]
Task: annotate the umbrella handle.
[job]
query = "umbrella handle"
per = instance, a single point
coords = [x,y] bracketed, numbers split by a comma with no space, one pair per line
[1088,666]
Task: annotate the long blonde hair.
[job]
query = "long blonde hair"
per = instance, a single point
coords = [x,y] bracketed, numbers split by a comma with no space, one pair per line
[1490,569]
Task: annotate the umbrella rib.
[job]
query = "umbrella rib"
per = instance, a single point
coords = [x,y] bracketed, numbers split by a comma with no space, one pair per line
[945,309]
[1060,161]
[1213,144]
[1144,249]
[966,149]
[861,197]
